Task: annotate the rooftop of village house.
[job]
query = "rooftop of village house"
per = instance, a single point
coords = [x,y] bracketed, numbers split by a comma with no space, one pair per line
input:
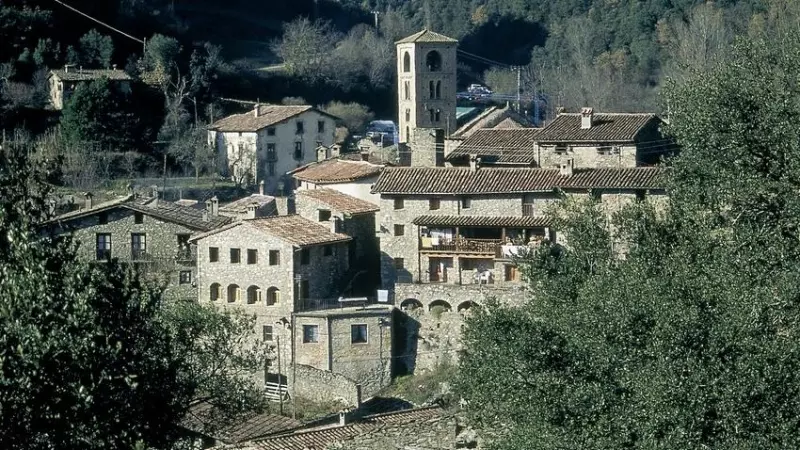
[339,201]
[260,117]
[589,126]
[336,170]
[292,229]
[81,74]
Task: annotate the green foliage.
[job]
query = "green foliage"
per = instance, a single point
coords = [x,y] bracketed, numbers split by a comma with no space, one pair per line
[99,115]
[162,52]
[96,50]
[690,340]
[354,116]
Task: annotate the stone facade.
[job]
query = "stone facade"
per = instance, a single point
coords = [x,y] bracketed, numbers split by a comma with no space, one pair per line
[588,156]
[324,386]
[269,153]
[353,342]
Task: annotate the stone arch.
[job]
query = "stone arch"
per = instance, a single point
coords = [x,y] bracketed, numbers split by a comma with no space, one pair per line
[410,304]
[233,293]
[273,296]
[446,306]
[434,61]
[253,295]
[215,292]
[406,62]
[466,306]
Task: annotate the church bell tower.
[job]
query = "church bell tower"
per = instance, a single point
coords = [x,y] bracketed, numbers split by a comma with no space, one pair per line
[426,78]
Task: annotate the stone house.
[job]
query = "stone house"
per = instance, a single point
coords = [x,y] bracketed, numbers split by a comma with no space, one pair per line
[271,140]
[494,117]
[62,83]
[344,214]
[150,233]
[277,268]
[612,140]
[506,147]
[354,178]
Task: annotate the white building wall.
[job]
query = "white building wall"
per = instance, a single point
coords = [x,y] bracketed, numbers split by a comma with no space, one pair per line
[358,189]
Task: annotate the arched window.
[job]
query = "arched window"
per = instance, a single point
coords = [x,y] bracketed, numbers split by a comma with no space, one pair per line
[273,296]
[410,304]
[233,293]
[433,61]
[440,305]
[431,90]
[406,62]
[408,134]
[408,115]
[438,89]
[215,292]
[253,295]
[406,90]
[431,113]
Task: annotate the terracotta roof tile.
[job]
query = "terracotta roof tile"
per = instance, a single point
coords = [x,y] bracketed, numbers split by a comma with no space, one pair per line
[240,206]
[268,115]
[482,221]
[493,117]
[201,419]
[297,230]
[336,171]
[461,180]
[606,127]
[500,145]
[340,201]
[427,36]
[91,74]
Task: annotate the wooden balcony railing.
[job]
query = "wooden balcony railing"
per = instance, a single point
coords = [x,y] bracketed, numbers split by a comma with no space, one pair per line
[528,210]
[460,245]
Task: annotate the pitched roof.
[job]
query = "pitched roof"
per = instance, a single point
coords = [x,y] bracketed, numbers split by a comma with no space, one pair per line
[339,201]
[427,35]
[482,221]
[91,74]
[606,127]
[336,171]
[320,439]
[493,117]
[163,210]
[510,145]
[268,115]
[462,180]
[297,230]
[202,419]
[240,206]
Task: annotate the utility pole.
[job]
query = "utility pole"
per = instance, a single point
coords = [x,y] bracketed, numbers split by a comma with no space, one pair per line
[375,13]
[519,87]
[280,374]
[294,373]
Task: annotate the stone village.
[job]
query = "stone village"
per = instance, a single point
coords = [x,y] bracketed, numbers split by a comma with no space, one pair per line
[357,269]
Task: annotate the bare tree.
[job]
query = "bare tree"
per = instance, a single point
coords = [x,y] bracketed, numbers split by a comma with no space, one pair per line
[306,48]
[698,44]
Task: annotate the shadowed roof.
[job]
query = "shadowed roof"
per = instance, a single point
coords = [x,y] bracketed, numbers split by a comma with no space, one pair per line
[606,127]
[509,145]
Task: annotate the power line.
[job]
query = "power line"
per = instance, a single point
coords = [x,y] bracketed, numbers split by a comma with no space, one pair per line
[100,22]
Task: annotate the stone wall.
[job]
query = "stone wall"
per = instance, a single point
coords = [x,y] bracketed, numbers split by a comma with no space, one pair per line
[323,386]
[584,156]
[161,246]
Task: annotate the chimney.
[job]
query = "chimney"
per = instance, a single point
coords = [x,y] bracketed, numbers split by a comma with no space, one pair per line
[66,68]
[474,163]
[251,210]
[129,189]
[207,211]
[586,118]
[80,69]
[113,67]
[335,150]
[205,215]
[342,418]
[566,168]
[322,153]
[261,187]
[365,154]
[214,206]
[87,200]
[154,195]
[255,110]
[560,110]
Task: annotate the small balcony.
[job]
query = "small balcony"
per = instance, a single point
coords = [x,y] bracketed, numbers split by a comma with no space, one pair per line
[460,245]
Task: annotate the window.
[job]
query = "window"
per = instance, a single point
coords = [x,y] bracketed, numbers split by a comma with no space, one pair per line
[399,230]
[299,127]
[213,254]
[604,150]
[272,155]
[431,89]
[324,215]
[185,277]
[640,195]
[358,334]
[398,203]
[327,250]
[438,89]
[561,149]
[234,293]
[253,295]
[215,292]
[271,131]
[406,62]
[408,115]
[399,263]
[298,151]
[271,169]
[103,246]
[274,257]
[434,204]
[252,256]
[466,203]
[102,218]
[406,90]
[305,256]
[138,245]
[267,332]
[236,256]
[431,114]
[183,240]
[138,218]
[310,334]
[273,296]
[434,61]
[597,195]
[320,126]
[437,115]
